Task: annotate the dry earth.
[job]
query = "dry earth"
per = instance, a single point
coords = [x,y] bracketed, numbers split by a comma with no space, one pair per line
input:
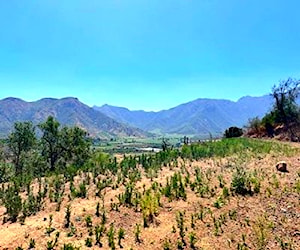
[260,221]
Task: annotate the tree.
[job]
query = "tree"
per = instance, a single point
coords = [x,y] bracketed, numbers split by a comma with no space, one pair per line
[285,95]
[233,132]
[51,141]
[76,145]
[285,111]
[68,145]
[12,202]
[21,141]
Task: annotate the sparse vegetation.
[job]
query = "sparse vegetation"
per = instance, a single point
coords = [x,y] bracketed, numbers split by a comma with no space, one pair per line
[204,194]
[283,120]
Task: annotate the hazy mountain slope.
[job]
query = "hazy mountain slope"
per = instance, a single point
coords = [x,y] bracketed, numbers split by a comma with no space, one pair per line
[140,118]
[201,116]
[68,111]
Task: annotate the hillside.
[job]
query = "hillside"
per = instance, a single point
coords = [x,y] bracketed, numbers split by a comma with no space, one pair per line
[219,195]
[198,117]
[68,111]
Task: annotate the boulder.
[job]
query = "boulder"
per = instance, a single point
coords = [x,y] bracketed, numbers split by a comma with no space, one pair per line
[281,166]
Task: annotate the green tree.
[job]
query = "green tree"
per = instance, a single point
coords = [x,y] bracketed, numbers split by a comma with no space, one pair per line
[68,145]
[233,132]
[285,95]
[51,141]
[76,145]
[12,202]
[285,110]
[20,142]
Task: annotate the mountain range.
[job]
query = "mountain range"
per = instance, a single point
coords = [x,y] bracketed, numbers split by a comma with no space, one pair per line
[68,111]
[200,117]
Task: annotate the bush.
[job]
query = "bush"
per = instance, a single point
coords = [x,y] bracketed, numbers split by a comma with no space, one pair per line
[12,202]
[68,216]
[89,242]
[111,237]
[233,132]
[241,182]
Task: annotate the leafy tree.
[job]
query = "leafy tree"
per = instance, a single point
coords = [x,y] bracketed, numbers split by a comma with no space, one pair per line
[51,141]
[65,145]
[12,202]
[233,132]
[285,95]
[76,145]
[21,141]
[149,206]
[285,110]
[254,125]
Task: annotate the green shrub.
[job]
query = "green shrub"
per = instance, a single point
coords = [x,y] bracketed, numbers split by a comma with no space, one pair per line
[31,244]
[233,132]
[89,242]
[193,240]
[180,224]
[137,233]
[240,183]
[99,230]
[111,237]
[68,216]
[12,202]
[88,221]
[121,236]
[69,246]
[51,245]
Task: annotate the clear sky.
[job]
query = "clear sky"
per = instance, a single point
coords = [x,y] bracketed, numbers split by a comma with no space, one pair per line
[146,54]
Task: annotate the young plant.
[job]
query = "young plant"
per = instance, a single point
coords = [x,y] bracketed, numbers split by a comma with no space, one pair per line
[51,245]
[88,221]
[50,229]
[69,246]
[149,206]
[121,236]
[193,240]
[88,242]
[111,237]
[68,216]
[137,233]
[99,230]
[31,244]
[98,209]
[240,182]
[180,225]
[12,202]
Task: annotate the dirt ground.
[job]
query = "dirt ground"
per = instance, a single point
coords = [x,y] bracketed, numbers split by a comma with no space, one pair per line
[276,206]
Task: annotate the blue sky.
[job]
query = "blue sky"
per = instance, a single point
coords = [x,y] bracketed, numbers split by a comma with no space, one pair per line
[152,54]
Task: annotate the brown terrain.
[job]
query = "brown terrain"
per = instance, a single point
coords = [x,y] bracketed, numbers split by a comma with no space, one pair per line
[266,219]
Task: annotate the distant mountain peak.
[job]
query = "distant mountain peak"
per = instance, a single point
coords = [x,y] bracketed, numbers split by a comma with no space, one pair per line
[68,111]
[12,99]
[200,116]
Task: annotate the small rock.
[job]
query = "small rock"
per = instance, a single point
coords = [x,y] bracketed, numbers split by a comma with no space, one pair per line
[281,166]
[283,210]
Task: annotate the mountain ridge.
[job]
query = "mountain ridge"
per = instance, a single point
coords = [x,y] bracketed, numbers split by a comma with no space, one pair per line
[69,111]
[200,116]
